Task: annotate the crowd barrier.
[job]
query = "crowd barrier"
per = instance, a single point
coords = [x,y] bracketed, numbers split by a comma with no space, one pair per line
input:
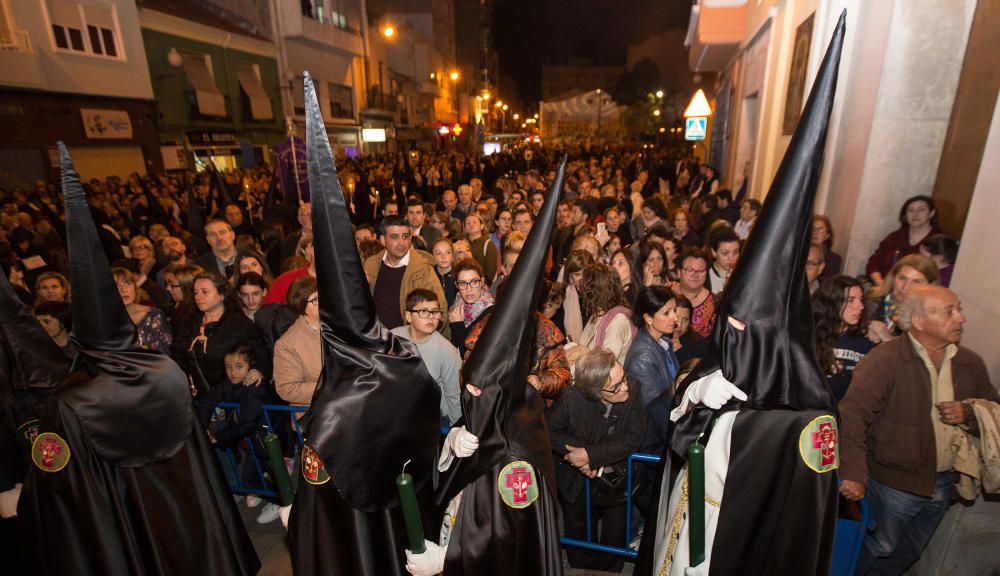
[847,543]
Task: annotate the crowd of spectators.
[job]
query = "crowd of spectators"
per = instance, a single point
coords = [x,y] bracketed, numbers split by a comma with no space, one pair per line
[217,270]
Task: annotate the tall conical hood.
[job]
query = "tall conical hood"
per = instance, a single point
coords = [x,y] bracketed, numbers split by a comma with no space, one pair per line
[376,406]
[136,407]
[503,416]
[100,319]
[34,359]
[773,359]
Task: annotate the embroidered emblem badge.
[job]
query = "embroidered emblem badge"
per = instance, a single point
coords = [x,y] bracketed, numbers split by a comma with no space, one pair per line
[313,469]
[50,452]
[517,485]
[819,444]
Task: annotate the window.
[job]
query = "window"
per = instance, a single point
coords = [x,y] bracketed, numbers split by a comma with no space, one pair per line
[208,99]
[341,101]
[254,97]
[84,28]
[299,96]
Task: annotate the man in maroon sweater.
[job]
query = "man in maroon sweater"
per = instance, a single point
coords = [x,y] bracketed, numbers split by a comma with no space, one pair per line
[898,418]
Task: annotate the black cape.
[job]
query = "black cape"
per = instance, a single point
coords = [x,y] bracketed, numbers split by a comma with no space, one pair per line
[170,517]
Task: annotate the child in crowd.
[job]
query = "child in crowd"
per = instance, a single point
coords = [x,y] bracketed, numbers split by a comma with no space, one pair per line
[423,316]
[251,398]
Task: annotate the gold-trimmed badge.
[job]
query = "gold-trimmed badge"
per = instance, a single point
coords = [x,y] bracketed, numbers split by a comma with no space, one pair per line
[50,452]
[313,469]
[518,485]
[819,444]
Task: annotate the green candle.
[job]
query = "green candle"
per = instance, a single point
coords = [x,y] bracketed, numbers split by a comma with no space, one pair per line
[696,503]
[411,514]
[278,470]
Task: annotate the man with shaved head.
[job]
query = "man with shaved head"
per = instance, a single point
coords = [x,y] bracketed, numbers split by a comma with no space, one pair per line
[899,417]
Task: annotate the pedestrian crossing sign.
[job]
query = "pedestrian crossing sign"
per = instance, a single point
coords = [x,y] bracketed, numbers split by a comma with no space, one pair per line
[695,128]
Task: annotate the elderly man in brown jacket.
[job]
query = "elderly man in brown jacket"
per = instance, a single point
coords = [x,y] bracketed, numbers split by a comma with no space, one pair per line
[898,418]
[397,271]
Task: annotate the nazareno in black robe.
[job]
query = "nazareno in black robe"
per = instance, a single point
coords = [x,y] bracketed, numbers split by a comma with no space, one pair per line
[174,516]
[490,536]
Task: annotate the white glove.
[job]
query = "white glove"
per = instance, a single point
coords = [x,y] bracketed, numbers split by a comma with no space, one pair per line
[284,512]
[714,390]
[429,563]
[8,502]
[461,442]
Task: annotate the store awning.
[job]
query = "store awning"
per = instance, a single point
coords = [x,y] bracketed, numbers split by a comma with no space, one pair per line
[260,103]
[207,95]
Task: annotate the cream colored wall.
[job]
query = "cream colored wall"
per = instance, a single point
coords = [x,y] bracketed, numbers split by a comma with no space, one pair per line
[103,161]
[976,273]
[923,57]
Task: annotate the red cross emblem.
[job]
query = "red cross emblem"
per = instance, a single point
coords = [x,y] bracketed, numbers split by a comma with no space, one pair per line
[518,480]
[50,449]
[826,441]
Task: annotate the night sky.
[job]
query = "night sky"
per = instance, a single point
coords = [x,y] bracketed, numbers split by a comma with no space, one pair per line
[530,33]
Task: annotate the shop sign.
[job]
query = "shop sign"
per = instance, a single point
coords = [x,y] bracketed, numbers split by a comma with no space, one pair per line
[212,138]
[103,124]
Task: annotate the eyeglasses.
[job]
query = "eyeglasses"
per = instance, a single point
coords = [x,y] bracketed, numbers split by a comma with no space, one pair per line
[617,386]
[423,313]
[698,271]
[462,284]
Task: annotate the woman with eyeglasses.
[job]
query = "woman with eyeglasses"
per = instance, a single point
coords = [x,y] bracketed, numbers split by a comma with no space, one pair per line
[594,426]
[692,285]
[298,354]
[474,299]
[151,325]
[217,324]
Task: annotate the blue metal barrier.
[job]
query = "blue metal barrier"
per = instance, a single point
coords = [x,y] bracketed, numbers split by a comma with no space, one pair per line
[589,543]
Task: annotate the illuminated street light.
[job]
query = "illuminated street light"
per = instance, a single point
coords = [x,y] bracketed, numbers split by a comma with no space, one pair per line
[486,95]
[505,107]
[536,114]
[454,74]
[499,103]
[432,75]
[662,129]
[516,116]
[656,112]
[388,31]
[659,93]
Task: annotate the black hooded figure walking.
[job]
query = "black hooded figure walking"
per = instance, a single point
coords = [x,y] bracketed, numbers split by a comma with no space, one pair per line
[123,478]
[506,519]
[375,406]
[770,491]
[31,365]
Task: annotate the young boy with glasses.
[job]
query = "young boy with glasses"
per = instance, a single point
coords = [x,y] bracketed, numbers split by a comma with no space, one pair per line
[423,315]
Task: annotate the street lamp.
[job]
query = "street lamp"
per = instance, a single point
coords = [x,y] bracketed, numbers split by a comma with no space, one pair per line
[454,74]
[505,107]
[388,31]
[659,93]
[656,112]
[516,116]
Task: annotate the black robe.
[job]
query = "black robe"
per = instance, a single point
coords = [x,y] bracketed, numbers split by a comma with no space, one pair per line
[489,537]
[768,520]
[171,517]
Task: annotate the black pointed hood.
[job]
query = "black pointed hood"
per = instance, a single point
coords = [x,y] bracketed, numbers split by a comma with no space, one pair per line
[504,415]
[773,359]
[376,406]
[135,407]
[35,361]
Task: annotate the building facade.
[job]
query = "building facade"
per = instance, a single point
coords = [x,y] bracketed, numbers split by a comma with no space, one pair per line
[216,85]
[75,72]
